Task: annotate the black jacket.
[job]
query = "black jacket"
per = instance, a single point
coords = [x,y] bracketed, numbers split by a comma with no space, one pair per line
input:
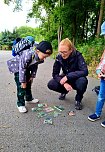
[73,67]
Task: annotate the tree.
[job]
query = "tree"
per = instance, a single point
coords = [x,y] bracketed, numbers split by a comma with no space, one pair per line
[17,6]
[24,31]
[102,5]
[75,19]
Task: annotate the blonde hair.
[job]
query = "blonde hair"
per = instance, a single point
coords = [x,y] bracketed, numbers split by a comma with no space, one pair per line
[67,42]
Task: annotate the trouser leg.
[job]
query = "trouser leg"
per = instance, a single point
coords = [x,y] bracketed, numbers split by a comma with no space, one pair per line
[56,86]
[20,91]
[80,86]
[29,92]
[101,98]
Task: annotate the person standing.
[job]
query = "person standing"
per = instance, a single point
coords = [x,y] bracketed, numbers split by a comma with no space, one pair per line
[100,70]
[25,67]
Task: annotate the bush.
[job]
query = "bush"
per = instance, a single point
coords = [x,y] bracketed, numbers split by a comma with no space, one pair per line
[92,53]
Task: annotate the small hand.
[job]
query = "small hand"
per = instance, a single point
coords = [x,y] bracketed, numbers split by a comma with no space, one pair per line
[63,80]
[100,75]
[68,87]
[31,79]
[23,85]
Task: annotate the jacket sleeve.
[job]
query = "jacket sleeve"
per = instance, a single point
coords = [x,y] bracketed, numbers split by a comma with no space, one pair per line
[24,61]
[82,69]
[33,70]
[101,65]
[34,67]
[98,68]
[56,70]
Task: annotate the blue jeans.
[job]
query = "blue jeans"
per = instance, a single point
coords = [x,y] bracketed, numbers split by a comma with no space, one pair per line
[101,98]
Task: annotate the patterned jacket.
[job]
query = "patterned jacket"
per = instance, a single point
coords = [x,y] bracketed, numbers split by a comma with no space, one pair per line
[26,64]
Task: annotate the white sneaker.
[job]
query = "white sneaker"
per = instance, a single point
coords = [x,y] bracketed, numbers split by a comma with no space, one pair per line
[33,101]
[22,109]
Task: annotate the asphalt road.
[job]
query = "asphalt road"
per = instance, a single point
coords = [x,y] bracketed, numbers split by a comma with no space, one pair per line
[27,133]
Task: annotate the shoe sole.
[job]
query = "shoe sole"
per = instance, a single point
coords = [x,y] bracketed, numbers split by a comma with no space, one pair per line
[92,119]
[61,98]
[22,112]
[102,125]
[29,102]
[78,108]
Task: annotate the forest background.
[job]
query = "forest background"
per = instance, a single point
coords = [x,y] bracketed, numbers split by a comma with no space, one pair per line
[79,20]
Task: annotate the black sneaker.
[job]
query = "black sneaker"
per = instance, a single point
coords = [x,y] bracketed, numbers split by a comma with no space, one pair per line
[93,117]
[103,124]
[78,105]
[62,96]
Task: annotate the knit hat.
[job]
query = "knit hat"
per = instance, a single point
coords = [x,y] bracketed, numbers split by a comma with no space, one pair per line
[45,47]
[103,29]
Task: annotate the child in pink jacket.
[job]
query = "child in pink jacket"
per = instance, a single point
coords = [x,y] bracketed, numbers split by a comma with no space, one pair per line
[100,70]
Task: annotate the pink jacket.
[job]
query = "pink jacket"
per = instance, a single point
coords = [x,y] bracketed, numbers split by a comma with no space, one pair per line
[101,66]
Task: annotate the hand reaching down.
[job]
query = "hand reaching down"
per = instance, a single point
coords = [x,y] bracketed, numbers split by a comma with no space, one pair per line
[68,87]
[63,80]
[23,85]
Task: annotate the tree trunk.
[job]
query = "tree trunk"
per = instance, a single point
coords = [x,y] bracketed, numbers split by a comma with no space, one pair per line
[84,22]
[59,34]
[61,2]
[74,30]
[100,17]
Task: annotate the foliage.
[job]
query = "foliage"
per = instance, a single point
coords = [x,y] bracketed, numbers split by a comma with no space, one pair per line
[24,31]
[17,4]
[92,52]
[7,37]
[77,19]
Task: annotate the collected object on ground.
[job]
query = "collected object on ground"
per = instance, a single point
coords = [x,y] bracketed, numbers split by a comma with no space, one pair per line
[48,120]
[60,108]
[71,113]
